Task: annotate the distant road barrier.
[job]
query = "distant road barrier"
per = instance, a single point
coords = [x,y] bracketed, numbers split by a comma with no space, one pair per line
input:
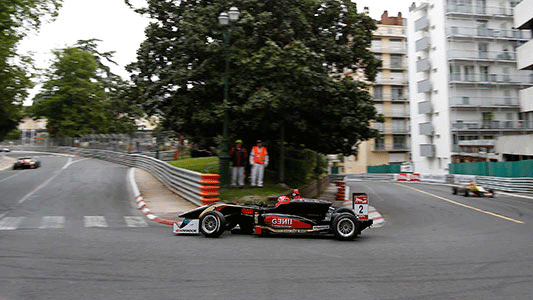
[505,184]
[194,187]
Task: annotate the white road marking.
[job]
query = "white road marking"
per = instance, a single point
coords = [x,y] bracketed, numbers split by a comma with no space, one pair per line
[136,221]
[69,162]
[52,222]
[94,221]
[16,174]
[10,223]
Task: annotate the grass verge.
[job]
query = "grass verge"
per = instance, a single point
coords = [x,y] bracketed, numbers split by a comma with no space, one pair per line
[246,195]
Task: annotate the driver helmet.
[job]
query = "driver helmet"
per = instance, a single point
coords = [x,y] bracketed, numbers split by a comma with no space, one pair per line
[295,194]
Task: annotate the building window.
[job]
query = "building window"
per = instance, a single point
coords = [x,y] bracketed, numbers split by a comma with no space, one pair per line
[398,142]
[378,92]
[397,93]
[376,44]
[396,61]
[379,143]
[396,45]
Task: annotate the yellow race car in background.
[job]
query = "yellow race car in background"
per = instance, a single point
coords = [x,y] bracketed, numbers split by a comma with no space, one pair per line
[472,189]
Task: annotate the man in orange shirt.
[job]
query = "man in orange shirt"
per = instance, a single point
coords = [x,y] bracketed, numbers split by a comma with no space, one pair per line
[258,161]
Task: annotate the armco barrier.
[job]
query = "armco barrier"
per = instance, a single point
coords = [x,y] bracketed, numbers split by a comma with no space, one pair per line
[505,184]
[194,187]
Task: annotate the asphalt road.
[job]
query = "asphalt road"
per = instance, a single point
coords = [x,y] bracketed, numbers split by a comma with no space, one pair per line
[433,245]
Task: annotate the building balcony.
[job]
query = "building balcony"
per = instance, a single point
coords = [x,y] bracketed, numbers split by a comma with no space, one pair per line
[425,107]
[522,15]
[394,113]
[392,50]
[479,10]
[486,56]
[398,66]
[494,102]
[490,33]
[493,125]
[424,86]
[391,81]
[490,79]
[422,23]
[524,57]
[393,148]
[389,129]
[423,65]
[427,150]
[426,128]
[422,44]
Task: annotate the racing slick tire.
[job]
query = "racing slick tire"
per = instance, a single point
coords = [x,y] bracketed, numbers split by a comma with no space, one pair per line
[454,191]
[345,227]
[466,193]
[212,224]
[343,210]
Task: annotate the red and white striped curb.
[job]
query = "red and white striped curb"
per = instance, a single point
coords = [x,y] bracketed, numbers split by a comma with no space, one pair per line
[376,216]
[372,214]
[142,205]
[146,211]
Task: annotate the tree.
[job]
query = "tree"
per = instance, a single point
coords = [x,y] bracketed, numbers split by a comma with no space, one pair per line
[16,18]
[82,96]
[282,56]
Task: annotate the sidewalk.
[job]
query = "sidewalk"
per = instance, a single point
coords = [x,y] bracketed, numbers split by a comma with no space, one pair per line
[6,162]
[160,201]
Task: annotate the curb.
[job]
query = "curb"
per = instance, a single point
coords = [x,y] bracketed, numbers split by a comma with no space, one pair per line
[141,205]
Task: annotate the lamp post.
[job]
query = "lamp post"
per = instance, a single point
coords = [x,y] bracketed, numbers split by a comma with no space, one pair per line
[224,19]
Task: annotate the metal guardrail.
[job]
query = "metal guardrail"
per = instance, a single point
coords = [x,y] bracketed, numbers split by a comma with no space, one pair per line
[504,184]
[194,187]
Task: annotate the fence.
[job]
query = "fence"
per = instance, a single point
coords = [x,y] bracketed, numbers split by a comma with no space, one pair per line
[194,187]
[523,168]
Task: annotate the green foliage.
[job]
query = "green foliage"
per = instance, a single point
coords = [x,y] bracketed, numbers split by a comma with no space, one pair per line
[301,166]
[13,134]
[81,96]
[16,18]
[281,56]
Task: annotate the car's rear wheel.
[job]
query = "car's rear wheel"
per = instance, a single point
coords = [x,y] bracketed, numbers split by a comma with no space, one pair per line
[454,191]
[212,224]
[466,193]
[345,227]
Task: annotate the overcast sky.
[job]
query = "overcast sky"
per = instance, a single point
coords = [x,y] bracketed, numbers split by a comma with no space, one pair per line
[121,30]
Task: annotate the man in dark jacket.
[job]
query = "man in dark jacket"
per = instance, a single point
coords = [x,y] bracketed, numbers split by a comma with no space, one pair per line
[238,155]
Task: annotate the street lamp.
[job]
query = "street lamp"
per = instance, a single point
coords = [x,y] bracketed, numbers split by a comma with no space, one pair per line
[224,19]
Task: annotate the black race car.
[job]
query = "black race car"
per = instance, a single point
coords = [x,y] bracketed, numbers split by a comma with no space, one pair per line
[294,215]
[472,189]
[26,163]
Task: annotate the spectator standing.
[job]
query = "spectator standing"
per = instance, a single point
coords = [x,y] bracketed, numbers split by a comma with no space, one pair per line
[258,160]
[238,155]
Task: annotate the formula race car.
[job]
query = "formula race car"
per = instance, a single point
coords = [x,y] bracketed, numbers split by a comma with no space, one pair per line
[472,189]
[26,163]
[290,215]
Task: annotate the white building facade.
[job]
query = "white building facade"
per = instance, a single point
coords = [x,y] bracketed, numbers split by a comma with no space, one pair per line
[463,80]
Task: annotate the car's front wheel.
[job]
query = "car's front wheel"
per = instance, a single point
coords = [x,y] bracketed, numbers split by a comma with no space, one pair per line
[212,224]
[345,227]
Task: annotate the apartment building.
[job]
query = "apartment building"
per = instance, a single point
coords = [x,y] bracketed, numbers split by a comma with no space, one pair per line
[463,80]
[389,91]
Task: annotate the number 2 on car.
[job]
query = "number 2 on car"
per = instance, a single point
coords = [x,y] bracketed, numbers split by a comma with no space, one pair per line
[360,205]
